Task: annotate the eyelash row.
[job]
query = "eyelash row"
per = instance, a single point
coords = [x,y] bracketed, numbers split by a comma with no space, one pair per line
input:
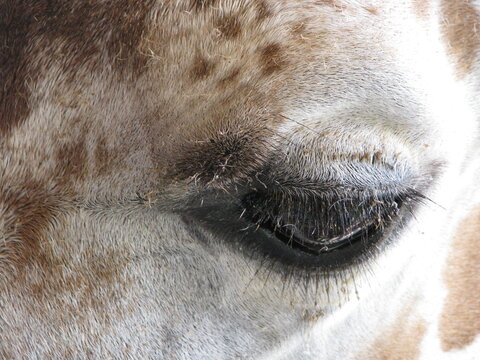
[323,217]
[384,210]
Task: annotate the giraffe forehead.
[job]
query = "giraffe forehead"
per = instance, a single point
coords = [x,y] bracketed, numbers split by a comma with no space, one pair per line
[118,30]
[114,33]
[209,68]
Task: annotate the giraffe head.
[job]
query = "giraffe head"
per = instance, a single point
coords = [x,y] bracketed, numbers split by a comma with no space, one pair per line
[251,179]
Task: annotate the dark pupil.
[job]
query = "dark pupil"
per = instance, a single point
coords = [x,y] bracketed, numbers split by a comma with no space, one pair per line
[318,225]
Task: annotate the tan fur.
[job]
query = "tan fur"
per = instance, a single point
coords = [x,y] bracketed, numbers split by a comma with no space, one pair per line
[27,212]
[460,27]
[400,340]
[460,321]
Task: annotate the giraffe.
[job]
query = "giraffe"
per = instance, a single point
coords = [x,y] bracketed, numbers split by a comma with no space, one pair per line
[239,179]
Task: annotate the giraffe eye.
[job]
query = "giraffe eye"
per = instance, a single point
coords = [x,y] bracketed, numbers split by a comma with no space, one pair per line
[320,230]
[304,229]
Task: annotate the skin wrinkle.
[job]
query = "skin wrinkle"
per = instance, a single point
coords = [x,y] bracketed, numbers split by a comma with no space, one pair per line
[460,319]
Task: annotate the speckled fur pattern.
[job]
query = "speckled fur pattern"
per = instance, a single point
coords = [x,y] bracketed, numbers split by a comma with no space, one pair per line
[115,114]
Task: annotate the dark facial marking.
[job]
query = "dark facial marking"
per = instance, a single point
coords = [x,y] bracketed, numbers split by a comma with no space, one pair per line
[72,159]
[26,211]
[263,11]
[15,24]
[272,59]
[202,4]
[87,27]
[229,26]
[201,68]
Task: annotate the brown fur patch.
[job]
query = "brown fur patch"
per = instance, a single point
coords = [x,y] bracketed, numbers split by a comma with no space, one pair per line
[87,27]
[460,321]
[272,59]
[81,282]
[372,10]
[201,68]
[227,155]
[82,30]
[229,26]
[401,341]
[102,157]
[26,212]
[461,24]
[59,275]
[14,93]
[263,10]
[72,159]
[202,4]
